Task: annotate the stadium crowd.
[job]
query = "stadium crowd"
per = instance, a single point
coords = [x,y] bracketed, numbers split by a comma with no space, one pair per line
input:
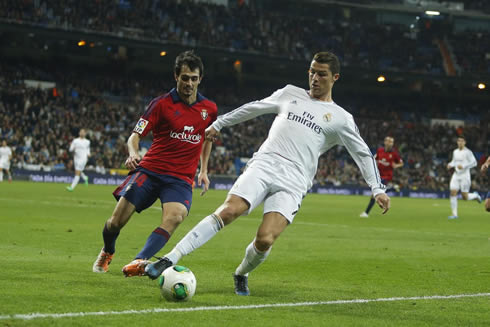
[39,125]
[364,43]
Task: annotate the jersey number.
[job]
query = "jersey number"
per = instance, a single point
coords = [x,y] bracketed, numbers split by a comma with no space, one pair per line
[140,180]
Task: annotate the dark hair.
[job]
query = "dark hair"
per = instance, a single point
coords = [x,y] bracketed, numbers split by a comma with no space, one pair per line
[329,58]
[189,59]
[461,137]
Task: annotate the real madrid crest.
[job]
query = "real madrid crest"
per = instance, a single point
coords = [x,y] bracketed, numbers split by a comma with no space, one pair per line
[204,114]
[327,117]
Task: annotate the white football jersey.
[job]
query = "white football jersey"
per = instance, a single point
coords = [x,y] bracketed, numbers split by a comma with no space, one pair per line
[81,147]
[304,129]
[5,153]
[464,158]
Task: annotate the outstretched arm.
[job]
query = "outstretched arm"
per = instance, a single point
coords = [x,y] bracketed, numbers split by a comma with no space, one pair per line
[359,151]
[249,110]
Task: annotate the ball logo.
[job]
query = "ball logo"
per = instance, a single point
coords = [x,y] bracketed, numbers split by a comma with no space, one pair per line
[186,135]
[140,126]
[204,114]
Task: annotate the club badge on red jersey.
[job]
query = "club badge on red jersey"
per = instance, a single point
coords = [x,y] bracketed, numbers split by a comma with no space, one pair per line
[204,114]
[140,126]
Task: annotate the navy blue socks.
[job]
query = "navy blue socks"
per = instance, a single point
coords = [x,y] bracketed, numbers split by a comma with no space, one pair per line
[109,239]
[155,242]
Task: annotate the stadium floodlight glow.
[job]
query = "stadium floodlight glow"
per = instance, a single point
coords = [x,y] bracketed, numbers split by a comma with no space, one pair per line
[432,13]
[163,53]
[81,43]
[381,79]
[481,86]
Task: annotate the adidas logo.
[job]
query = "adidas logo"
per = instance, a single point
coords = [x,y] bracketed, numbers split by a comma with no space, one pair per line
[293,102]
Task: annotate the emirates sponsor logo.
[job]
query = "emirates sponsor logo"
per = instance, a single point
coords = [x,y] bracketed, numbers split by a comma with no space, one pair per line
[186,135]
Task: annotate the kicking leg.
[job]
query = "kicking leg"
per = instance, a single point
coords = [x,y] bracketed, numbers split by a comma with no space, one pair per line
[233,207]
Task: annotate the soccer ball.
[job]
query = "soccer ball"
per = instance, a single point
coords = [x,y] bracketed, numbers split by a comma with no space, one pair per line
[177,283]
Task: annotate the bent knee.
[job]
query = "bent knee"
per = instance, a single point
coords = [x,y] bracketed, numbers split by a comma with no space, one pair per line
[263,242]
[174,219]
[229,212]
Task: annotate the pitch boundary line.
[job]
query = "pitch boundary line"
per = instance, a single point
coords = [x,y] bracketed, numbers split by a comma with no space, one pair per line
[31,316]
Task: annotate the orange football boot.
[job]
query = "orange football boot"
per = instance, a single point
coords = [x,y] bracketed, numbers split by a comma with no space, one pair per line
[135,268]
[101,264]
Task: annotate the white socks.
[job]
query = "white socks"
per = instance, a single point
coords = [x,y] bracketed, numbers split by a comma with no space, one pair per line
[196,237]
[454,204]
[83,176]
[252,259]
[76,179]
[472,196]
[1,175]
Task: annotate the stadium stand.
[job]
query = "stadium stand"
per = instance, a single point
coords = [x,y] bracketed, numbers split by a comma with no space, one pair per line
[40,123]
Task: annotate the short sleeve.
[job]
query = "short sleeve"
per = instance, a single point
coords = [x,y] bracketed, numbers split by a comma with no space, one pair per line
[148,120]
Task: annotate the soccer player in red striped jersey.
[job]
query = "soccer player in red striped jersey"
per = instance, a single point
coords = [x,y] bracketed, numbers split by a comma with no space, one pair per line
[387,159]
[177,120]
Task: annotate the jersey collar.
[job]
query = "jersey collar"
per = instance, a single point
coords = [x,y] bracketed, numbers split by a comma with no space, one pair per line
[176,98]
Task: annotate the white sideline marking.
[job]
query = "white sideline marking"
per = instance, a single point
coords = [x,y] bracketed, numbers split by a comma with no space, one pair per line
[31,316]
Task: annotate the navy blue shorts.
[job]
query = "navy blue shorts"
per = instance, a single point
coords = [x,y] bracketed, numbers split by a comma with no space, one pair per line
[143,187]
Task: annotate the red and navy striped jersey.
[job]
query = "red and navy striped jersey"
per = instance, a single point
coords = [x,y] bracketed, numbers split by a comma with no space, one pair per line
[178,134]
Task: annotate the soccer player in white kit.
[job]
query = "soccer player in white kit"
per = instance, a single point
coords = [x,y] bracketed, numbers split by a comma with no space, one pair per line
[81,147]
[463,160]
[5,157]
[308,123]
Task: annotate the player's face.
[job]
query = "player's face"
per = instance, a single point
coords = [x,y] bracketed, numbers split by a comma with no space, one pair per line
[461,143]
[389,143]
[82,133]
[321,79]
[4,143]
[187,82]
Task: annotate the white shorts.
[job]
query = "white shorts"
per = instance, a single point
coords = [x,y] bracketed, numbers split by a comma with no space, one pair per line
[462,184]
[4,164]
[80,164]
[273,180]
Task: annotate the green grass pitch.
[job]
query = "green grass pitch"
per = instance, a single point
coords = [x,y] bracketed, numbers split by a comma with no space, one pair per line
[50,238]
